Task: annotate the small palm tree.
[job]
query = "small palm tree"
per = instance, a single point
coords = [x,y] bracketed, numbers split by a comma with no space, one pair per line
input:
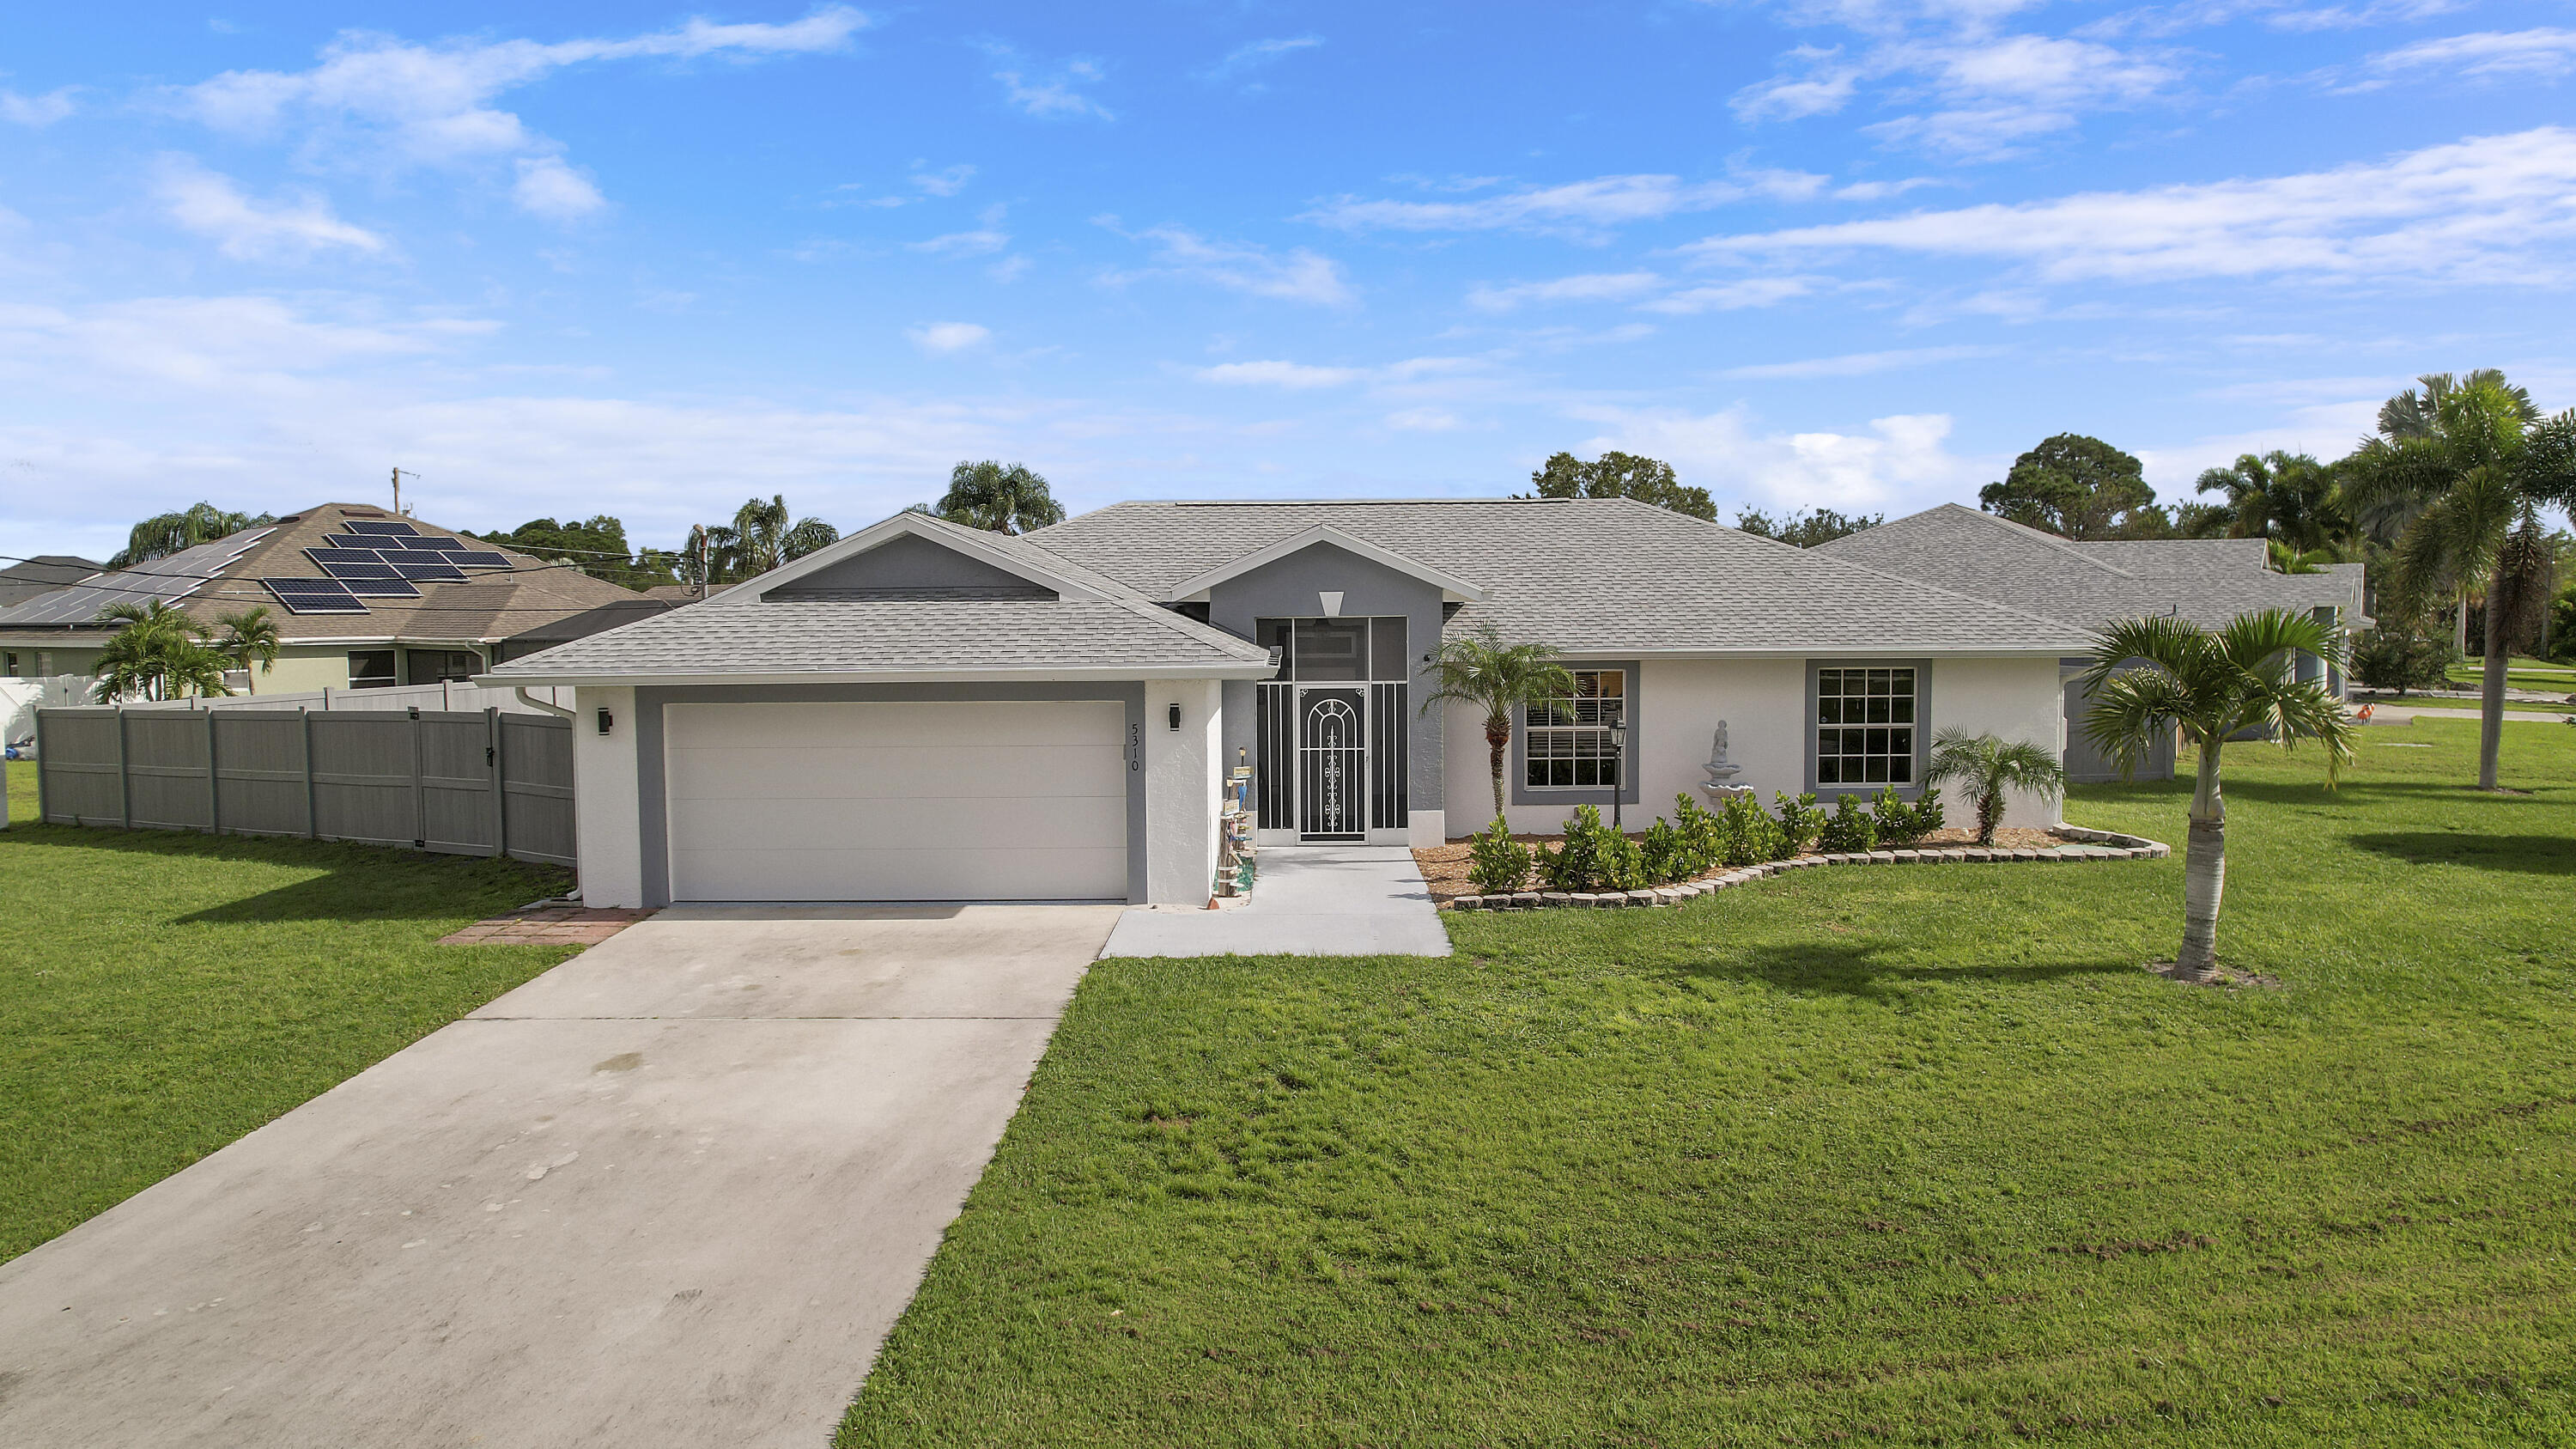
[1987,767]
[158,653]
[1003,498]
[1479,669]
[250,636]
[2152,675]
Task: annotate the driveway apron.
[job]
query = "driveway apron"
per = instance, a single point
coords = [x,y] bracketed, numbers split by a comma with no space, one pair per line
[672,1192]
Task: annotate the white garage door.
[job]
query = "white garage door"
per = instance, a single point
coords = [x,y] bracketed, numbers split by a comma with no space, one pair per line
[897,802]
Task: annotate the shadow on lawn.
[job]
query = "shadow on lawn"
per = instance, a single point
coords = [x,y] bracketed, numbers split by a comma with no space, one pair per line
[2530,854]
[357,882]
[1858,970]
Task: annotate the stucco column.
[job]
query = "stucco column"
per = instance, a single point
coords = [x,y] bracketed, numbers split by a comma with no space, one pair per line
[606,811]
[1183,769]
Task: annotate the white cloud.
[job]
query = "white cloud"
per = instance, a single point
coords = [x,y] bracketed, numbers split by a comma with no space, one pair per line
[1051,95]
[1424,420]
[1591,287]
[37,111]
[947,181]
[2485,54]
[1732,296]
[1297,275]
[944,337]
[2486,207]
[1295,376]
[1256,55]
[550,189]
[1898,460]
[1008,269]
[233,345]
[2324,430]
[963,244]
[1858,364]
[1580,207]
[210,205]
[375,98]
[1820,84]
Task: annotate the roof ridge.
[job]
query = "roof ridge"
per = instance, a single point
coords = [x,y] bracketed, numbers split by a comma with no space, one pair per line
[2066,546]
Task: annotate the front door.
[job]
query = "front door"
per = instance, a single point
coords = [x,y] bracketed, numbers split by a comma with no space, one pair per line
[1332,764]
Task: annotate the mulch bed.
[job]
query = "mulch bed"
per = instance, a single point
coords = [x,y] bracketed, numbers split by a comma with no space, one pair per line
[547,926]
[1445,867]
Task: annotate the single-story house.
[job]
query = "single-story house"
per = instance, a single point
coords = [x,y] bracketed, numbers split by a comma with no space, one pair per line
[927,711]
[42,574]
[362,598]
[2092,584]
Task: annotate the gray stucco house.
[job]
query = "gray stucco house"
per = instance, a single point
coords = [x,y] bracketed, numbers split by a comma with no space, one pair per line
[927,712]
[2091,584]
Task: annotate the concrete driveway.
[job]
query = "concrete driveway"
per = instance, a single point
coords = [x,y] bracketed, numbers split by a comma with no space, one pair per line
[673,1192]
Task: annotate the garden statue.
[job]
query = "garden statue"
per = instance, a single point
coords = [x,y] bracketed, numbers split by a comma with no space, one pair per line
[1721,775]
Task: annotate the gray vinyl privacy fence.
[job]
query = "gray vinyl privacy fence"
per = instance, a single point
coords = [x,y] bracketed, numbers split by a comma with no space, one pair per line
[480,783]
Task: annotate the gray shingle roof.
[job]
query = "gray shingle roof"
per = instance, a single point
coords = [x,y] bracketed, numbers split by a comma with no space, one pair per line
[740,633]
[2208,581]
[1590,576]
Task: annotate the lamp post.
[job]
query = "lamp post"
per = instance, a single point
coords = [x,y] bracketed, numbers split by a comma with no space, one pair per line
[1618,768]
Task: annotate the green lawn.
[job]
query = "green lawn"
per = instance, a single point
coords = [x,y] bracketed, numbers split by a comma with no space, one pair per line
[165,993]
[1910,1155]
[2520,673]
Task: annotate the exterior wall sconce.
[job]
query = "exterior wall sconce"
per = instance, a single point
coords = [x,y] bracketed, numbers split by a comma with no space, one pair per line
[1176,715]
[607,721]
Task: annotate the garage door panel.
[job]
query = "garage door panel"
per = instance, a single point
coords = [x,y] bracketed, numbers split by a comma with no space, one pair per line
[932,823]
[987,800]
[979,724]
[898,771]
[908,874]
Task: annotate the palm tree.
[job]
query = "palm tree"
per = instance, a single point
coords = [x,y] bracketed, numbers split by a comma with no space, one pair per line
[2286,497]
[1987,767]
[2474,470]
[250,635]
[1002,498]
[159,653]
[1480,669]
[810,535]
[2153,675]
[165,534]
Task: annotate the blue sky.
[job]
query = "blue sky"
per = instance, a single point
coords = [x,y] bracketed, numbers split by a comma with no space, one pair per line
[565,259]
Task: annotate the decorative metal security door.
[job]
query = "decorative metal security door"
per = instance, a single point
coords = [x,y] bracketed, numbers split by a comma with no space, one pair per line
[1332,764]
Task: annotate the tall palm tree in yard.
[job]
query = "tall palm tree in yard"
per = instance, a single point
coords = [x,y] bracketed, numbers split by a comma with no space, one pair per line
[1987,767]
[1482,671]
[2286,497]
[2153,675]
[158,653]
[1004,498]
[249,637]
[2473,469]
[166,533]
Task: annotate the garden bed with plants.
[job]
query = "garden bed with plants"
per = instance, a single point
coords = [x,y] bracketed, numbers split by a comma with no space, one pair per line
[1698,848]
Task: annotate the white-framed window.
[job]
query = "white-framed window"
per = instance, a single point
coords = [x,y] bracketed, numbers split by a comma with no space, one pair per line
[1865,725]
[1567,741]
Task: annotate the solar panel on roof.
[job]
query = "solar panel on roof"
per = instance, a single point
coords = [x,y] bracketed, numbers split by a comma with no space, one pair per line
[351,540]
[367,570]
[414,543]
[451,545]
[377,525]
[314,596]
[432,569]
[329,556]
[387,588]
[480,558]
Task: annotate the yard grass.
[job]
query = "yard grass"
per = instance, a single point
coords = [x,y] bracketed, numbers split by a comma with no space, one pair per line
[165,993]
[1913,1155]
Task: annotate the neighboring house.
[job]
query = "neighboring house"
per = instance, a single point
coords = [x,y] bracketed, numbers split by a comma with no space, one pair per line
[2090,585]
[42,574]
[925,711]
[362,598]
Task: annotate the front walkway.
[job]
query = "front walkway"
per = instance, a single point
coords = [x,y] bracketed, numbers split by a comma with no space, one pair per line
[1307,900]
[672,1192]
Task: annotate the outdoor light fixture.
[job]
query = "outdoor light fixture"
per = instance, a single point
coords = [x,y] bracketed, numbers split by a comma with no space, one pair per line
[1176,716]
[606,721]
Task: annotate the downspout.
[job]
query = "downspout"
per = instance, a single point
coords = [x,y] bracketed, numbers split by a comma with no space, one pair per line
[533,702]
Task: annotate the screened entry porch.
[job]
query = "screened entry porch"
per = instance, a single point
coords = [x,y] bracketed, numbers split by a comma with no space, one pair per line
[1331,731]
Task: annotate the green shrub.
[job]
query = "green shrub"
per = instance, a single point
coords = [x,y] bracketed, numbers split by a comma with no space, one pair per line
[1903,824]
[1497,863]
[1703,834]
[1622,862]
[1667,854]
[1800,823]
[1750,836]
[1575,865]
[2395,657]
[1850,830]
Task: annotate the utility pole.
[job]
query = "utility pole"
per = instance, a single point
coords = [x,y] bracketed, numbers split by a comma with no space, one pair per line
[398,477]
